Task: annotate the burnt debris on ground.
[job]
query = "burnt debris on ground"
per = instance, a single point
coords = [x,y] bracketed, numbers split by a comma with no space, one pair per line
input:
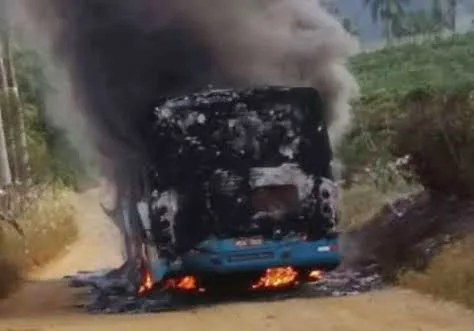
[411,240]
[107,295]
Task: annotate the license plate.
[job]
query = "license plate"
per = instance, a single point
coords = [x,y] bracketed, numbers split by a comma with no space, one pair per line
[246,242]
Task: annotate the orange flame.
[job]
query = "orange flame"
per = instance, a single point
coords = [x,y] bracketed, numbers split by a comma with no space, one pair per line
[187,283]
[277,277]
[147,282]
[316,275]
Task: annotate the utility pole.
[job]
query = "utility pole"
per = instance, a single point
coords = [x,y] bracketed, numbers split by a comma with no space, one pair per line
[17,128]
[5,171]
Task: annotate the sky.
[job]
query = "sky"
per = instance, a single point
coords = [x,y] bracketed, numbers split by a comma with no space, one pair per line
[370,31]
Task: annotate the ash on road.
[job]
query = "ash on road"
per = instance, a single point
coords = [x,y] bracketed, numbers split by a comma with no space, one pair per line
[48,303]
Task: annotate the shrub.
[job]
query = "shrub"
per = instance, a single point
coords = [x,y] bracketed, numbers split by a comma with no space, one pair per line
[437,132]
[48,226]
[394,82]
[10,277]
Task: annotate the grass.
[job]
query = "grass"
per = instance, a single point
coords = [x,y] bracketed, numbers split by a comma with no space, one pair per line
[358,205]
[450,275]
[438,65]
[361,202]
[48,225]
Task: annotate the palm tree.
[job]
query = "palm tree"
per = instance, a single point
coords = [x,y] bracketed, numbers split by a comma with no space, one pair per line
[451,14]
[389,12]
[424,21]
[332,8]
[437,12]
[350,27]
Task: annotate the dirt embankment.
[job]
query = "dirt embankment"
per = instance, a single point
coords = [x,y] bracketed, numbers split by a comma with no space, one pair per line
[410,239]
[46,303]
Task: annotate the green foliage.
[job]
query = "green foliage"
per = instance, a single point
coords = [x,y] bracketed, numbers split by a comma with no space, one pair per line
[417,101]
[388,80]
[438,65]
[421,22]
[51,155]
[424,21]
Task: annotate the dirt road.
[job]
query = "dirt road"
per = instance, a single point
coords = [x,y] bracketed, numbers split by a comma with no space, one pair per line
[47,304]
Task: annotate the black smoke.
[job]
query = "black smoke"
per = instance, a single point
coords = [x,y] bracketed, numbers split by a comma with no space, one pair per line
[124,56]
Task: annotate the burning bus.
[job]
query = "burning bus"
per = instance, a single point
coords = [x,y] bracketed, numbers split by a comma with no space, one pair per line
[238,190]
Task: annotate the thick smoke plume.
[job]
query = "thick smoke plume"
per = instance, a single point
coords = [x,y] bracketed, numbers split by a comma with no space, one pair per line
[122,56]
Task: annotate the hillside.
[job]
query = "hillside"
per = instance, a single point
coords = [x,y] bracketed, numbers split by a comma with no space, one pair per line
[444,65]
[391,79]
[417,107]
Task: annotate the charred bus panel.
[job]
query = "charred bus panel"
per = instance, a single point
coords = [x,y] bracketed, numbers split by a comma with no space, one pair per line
[241,180]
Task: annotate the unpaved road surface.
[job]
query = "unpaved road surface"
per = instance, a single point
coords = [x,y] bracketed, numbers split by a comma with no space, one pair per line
[47,303]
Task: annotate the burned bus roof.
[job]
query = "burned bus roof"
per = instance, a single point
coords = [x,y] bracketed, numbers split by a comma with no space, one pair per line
[211,97]
[231,128]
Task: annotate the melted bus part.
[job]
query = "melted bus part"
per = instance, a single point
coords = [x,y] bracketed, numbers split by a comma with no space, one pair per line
[236,163]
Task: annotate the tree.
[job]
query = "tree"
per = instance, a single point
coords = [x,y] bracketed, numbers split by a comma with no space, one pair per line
[451,14]
[437,14]
[346,22]
[331,7]
[16,118]
[350,27]
[21,155]
[430,21]
[390,13]
[424,22]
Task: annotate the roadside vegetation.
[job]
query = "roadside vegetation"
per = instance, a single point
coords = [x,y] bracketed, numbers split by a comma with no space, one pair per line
[450,274]
[409,180]
[46,228]
[37,168]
